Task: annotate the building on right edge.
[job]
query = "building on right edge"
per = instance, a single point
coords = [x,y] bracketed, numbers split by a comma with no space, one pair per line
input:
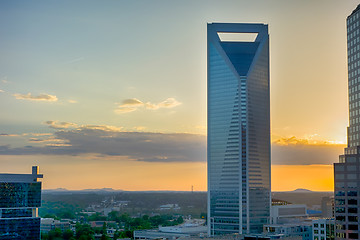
[239,196]
[347,171]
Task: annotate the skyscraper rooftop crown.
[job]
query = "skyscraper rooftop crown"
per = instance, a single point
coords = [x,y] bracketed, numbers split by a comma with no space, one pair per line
[356,9]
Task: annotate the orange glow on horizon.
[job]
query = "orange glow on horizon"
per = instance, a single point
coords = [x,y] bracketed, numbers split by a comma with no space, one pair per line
[88,172]
[312,177]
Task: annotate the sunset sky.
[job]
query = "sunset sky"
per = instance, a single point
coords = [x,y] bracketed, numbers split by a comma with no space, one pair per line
[113,93]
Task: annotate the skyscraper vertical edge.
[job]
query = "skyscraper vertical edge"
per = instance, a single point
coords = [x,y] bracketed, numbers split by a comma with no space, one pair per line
[238,129]
[347,171]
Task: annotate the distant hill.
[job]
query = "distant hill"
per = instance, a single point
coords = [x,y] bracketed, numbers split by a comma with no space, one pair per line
[301,190]
[66,191]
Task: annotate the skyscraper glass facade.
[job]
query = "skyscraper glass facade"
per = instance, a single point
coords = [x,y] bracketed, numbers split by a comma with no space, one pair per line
[347,171]
[20,197]
[238,130]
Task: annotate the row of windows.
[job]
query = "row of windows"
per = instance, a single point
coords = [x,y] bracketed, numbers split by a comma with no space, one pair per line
[354,60]
[354,121]
[349,168]
[354,105]
[349,193]
[316,225]
[12,213]
[350,176]
[354,113]
[25,228]
[340,202]
[317,231]
[351,159]
[353,42]
[350,235]
[354,137]
[353,50]
[349,184]
[353,129]
[352,19]
[350,218]
[352,34]
[355,96]
[349,210]
[14,195]
[354,89]
[354,144]
[350,227]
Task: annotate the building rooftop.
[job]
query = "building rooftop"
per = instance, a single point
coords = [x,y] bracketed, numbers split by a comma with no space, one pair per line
[356,9]
[11,177]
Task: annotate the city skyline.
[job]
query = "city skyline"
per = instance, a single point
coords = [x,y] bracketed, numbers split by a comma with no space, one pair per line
[136,73]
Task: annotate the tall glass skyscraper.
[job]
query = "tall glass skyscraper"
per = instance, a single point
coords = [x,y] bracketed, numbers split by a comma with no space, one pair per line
[347,171]
[20,197]
[238,129]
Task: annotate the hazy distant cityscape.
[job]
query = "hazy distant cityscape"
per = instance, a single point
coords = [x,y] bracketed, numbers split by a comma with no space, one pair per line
[157,153]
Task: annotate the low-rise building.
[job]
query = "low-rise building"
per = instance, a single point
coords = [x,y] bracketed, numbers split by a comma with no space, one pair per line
[327,207]
[170,206]
[288,213]
[301,229]
[48,224]
[190,229]
[99,224]
[323,229]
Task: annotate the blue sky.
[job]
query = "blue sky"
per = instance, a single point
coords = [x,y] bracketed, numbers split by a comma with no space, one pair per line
[105,70]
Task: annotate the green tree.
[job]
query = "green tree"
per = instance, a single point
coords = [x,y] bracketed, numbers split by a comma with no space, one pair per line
[179,220]
[68,214]
[55,234]
[104,235]
[44,236]
[96,217]
[113,216]
[126,234]
[146,217]
[84,232]
[67,234]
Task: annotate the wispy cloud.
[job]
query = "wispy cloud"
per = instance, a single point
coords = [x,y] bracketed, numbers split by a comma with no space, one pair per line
[9,135]
[139,128]
[308,140]
[4,79]
[133,104]
[67,125]
[37,134]
[122,109]
[41,97]
[105,128]
[50,139]
[2,90]
[168,103]
[129,105]
[75,60]
[60,125]
[72,101]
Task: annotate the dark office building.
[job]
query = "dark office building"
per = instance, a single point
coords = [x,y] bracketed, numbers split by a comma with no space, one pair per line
[20,198]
